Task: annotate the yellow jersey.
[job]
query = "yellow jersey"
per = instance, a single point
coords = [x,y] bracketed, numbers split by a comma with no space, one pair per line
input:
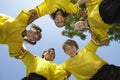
[48,69]
[11,31]
[84,64]
[48,7]
[96,23]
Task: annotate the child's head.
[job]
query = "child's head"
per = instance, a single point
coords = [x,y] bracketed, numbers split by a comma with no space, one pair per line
[59,17]
[70,47]
[34,34]
[81,25]
[49,54]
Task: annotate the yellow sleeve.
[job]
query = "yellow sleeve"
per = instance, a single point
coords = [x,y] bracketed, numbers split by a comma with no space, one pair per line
[46,7]
[62,65]
[4,17]
[71,8]
[101,33]
[28,58]
[97,25]
[92,45]
[60,74]
[24,16]
[41,9]
[14,48]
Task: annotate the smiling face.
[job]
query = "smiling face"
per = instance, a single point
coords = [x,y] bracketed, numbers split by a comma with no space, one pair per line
[59,21]
[70,50]
[49,54]
[81,25]
[33,35]
[70,47]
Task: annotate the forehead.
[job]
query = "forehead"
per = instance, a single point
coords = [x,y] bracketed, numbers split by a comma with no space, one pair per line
[68,46]
[50,50]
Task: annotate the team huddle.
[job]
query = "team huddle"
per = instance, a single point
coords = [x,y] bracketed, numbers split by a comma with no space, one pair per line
[83,64]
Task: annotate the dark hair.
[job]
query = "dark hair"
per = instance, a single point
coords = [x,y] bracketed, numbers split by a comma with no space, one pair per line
[53,15]
[34,76]
[71,43]
[39,30]
[48,50]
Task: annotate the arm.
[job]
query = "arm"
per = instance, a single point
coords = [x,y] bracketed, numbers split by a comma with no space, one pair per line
[83,13]
[101,43]
[62,75]
[24,16]
[92,44]
[27,58]
[33,17]
[21,53]
[104,42]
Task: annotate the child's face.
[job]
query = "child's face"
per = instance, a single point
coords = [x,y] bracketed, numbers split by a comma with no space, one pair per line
[59,21]
[81,25]
[70,50]
[33,35]
[49,55]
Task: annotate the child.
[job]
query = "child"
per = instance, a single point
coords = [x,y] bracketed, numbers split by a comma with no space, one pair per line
[13,32]
[81,25]
[102,16]
[59,10]
[42,66]
[101,32]
[85,64]
[103,9]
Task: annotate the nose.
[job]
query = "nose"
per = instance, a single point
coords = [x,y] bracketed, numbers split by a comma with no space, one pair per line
[59,17]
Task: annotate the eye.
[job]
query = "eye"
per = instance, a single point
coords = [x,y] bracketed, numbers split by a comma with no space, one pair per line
[67,49]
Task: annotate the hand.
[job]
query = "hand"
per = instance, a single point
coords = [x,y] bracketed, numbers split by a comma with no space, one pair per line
[94,36]
[21,53]
[33,17]
[83,14]
[104,43]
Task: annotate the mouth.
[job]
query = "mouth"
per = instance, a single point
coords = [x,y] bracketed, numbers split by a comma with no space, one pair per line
[71,53]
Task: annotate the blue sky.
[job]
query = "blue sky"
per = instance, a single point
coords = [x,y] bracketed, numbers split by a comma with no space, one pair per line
[13,69]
